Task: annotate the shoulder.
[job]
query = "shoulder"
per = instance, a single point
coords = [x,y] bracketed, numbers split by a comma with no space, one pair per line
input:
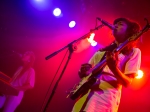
[96,57]
[136,51]
[99,53]
[136,54]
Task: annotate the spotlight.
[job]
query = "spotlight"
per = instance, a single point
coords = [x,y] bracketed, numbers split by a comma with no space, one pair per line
[57,12]
[140,74]
[72,24]
[91,40]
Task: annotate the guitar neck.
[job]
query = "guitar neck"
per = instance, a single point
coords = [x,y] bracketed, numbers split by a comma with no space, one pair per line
[98,67]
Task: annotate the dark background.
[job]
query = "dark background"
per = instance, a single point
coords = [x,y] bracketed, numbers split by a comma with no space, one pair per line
[24,26]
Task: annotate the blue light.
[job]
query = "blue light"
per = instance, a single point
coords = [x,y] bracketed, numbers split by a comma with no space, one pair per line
[40,4]
[72,24]
[57,12]
[39,0]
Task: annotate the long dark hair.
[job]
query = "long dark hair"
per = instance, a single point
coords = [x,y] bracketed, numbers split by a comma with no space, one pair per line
[133,28]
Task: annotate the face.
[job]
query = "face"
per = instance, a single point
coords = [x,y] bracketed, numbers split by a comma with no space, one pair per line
[120,31]
[26,57]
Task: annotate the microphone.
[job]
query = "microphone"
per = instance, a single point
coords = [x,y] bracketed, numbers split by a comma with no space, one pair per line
[18,54]
[106,23]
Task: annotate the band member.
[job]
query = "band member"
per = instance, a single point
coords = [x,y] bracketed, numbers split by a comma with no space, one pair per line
[22,80]
[120,70]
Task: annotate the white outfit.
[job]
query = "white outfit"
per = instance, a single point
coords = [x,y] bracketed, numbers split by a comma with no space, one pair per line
[11,102]
[105,95]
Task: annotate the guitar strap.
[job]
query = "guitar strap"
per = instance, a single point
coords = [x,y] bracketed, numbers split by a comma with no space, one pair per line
[109,48]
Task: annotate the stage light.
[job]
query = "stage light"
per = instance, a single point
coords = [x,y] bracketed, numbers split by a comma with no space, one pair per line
[72,24]
[91,40]
[57,12]
[140,74]
[94,43]
[39,0]
[40,4]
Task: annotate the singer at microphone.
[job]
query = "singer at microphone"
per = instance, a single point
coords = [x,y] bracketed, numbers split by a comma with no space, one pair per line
[120,68]
[106,23]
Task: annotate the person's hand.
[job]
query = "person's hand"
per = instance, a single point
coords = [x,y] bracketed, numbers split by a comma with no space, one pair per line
[112,60]
[83,72]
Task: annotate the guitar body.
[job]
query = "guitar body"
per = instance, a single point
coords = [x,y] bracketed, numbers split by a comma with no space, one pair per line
[86,83]
[81,90]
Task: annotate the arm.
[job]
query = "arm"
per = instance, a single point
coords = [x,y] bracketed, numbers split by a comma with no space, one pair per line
[123,79]
[131,67]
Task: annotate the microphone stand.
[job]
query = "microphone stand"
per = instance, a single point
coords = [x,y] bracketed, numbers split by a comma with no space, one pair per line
[71,48]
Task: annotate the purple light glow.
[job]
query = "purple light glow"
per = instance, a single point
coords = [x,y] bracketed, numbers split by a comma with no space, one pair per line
[40,4]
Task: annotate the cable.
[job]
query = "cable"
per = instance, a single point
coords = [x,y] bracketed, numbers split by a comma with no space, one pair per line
[52,81]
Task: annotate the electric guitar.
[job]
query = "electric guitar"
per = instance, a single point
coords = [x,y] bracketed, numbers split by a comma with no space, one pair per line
[84,85]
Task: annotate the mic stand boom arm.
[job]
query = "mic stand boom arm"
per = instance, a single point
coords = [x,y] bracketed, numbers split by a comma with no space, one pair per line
[71,43]
[71,48]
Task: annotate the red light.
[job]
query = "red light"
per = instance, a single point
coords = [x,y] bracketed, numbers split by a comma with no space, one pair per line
[140,74]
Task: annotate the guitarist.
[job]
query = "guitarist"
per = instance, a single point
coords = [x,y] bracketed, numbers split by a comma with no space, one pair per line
[121,68]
